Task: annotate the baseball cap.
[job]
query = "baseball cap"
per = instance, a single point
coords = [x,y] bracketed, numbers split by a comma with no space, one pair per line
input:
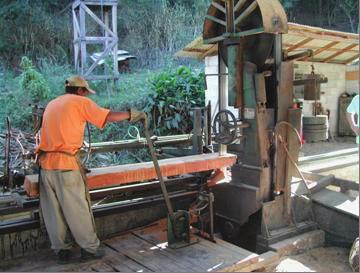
[78,81]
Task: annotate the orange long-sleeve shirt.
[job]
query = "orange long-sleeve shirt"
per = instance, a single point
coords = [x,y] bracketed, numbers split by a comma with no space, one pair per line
[63,128]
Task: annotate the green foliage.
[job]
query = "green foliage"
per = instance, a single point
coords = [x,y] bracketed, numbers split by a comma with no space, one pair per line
[32,83]
[173,95]
[34,28]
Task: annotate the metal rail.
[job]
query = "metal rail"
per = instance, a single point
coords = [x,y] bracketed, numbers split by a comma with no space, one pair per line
[104,210]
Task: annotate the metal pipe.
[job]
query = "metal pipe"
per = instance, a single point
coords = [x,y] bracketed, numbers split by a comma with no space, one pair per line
[114,146]
[223,88]
[158,172]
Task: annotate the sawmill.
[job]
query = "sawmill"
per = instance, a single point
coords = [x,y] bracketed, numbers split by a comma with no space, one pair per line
[219,198]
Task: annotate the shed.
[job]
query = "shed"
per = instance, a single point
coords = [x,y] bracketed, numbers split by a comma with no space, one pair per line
[335,55]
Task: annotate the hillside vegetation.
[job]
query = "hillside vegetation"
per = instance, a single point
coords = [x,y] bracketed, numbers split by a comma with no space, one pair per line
[152,30]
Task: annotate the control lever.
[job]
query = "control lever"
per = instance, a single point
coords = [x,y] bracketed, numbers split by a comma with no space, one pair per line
[178,223]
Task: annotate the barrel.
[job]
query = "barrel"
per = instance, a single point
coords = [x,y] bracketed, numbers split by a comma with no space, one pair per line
[316,128]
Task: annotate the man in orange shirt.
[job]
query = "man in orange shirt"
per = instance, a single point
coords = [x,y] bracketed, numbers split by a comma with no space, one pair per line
[64,196]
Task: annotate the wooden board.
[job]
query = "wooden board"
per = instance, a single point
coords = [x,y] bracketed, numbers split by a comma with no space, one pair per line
[130,173]
[146,250]
[124,174]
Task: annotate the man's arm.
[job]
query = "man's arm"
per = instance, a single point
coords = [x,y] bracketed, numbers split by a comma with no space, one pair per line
[117,116]
[351,119]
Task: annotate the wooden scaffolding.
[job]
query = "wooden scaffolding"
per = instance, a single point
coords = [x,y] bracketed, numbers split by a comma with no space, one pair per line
[106,37]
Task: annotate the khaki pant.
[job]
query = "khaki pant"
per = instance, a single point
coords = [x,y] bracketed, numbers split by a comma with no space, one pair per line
[64,206]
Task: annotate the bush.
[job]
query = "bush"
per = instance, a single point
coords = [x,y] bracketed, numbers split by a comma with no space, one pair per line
[173,95]
[32,83]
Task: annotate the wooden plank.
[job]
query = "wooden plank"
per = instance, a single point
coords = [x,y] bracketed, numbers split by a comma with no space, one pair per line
[124,174]
[121,263]
[207,255]
[303,42]
[315,48]
[101,267]
[265,260]
[322,49]
[322,34]
[129,173]
[148,255]
[321,183]
[350,60]
[285,100]
[344,50]
[293,146]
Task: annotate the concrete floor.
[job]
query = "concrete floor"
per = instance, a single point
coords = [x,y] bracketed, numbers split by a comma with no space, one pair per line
[337,144]
[322,147]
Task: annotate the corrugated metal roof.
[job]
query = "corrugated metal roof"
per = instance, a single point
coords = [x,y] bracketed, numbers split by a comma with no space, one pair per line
[328,46]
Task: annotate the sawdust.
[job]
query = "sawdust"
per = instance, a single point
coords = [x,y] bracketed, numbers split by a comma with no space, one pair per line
[331,259]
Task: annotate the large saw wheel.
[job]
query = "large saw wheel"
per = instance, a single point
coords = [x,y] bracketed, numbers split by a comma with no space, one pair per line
[253,22]
[241,18]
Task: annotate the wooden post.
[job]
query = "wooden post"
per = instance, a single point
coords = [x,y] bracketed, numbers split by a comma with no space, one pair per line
[82,40]
[115,49]
[76,39]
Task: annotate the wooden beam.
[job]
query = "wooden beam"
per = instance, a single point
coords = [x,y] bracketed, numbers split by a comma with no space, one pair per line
[139,172]
[115,47]
[97,20]
[239,5]
[344,50]
[76,35]
[322,49]
[76,23]
[350,60]
[303,42]
[315,48]
[125,174]
[322,36]
[75,4]
[102,56]
[216,20]
[83,52]
[197,50]
[219,7]
[246,13]
[209,52]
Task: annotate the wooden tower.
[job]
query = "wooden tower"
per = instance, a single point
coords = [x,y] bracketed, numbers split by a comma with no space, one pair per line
[105,38]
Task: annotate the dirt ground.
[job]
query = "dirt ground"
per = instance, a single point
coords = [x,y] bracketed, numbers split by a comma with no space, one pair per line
[331,259]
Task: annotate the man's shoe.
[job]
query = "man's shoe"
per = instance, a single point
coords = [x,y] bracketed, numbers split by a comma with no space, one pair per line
[88,256]
[63,256]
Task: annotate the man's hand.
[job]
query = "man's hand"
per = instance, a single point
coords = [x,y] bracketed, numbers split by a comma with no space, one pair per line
[137,115]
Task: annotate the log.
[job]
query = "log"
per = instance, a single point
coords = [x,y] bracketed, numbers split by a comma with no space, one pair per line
[130,173]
